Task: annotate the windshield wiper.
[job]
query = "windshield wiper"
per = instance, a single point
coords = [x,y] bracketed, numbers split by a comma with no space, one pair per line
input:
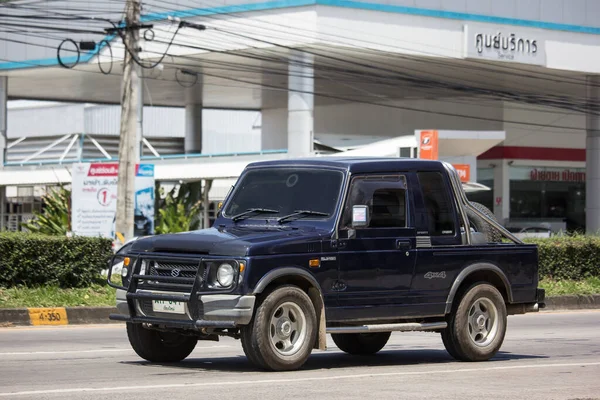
[301,214]
[251,211]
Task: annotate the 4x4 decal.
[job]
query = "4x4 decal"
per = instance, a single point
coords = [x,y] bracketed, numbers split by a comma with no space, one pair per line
[432,275]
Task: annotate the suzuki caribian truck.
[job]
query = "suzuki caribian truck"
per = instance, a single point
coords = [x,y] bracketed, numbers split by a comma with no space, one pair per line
[356,248]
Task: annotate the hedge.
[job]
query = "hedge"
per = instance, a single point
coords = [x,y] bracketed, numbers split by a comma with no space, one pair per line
[568,257]
[38,260]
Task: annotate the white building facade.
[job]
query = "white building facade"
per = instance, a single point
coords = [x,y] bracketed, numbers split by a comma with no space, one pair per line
[333,74]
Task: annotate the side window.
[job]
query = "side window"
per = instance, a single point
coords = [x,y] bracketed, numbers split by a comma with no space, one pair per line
[385,195]
[438,204]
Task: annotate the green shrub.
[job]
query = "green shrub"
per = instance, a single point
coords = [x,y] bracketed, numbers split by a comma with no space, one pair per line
[38,260]
[55,219]
[569,257]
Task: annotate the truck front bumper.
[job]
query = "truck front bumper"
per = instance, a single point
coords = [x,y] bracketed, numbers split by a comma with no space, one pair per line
[207,311]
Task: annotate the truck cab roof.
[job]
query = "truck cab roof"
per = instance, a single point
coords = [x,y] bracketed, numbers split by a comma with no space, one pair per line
[356,164]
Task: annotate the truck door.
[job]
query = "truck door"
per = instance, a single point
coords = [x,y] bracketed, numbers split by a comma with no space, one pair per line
[440,254]
[377,261]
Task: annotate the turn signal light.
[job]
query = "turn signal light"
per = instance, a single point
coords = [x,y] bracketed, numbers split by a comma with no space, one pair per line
[242,267]
[126,261]
[314,263]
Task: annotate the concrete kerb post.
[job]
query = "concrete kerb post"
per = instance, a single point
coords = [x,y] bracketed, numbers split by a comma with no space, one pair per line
[55,316]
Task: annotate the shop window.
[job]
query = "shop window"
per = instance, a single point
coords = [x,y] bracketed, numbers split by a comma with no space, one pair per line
[547,195]
[438,204]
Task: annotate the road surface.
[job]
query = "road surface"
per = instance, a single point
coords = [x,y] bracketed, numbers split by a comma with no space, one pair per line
[544,356]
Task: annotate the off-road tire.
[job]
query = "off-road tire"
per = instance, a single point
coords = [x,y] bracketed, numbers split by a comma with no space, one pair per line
[457,337]
[161,347]
[361,343]
[481,225]
[256,336]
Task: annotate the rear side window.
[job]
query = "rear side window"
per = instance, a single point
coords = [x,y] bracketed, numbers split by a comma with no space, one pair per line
[439,206]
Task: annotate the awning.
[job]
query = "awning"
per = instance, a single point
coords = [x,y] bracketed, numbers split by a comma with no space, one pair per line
[53,176]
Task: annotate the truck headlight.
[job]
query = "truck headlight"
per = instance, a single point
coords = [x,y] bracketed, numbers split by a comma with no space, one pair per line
[225,274]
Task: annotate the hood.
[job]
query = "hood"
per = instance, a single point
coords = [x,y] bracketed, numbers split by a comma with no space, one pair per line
[233,241]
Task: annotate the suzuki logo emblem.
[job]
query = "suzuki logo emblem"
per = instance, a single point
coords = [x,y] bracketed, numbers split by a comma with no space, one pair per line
[175,272]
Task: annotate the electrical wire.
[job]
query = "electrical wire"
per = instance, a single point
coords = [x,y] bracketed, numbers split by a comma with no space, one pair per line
[166,52]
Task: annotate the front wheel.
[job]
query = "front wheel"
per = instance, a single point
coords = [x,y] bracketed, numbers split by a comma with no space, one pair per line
[361,343]
[283,332]
[158,346]
[477,327]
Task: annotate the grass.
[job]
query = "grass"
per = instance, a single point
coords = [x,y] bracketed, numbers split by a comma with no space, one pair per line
[102,295]
[96,295]
[562,287]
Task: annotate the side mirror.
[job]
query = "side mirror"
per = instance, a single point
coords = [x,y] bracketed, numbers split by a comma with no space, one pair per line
[360,216]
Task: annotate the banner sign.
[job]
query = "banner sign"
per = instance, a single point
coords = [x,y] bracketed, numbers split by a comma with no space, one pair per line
[94,199]
[428,146]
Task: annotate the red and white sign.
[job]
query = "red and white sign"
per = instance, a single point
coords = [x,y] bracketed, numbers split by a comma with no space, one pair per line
[464,171]
[103,170]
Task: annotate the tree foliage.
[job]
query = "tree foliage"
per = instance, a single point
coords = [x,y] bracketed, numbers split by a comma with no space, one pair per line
[55,218]
[179,209]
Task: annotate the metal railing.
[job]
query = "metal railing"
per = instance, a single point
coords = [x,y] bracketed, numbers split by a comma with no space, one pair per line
[63,148]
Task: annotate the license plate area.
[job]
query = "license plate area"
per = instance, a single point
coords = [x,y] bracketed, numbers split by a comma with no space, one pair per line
[167,306]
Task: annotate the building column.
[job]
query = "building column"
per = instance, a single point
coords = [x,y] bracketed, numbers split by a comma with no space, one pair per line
[502,191]
[274,122]
[592,157]
[300,124]
[3,140]
[3,117]
[193,120]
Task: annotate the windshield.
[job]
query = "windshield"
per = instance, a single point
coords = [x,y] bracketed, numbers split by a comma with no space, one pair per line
[286,190]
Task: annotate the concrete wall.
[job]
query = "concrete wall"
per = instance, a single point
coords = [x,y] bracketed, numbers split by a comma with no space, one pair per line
[540,136]
[363,119]
[274,129]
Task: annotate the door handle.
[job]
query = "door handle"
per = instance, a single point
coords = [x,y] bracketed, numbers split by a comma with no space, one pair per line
[402,244]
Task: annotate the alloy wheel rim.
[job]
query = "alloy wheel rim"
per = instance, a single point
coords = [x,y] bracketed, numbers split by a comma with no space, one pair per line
[483,322]
[287,329]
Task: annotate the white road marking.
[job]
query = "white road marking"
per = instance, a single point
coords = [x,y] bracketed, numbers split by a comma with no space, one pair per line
[24,353]
[292,380]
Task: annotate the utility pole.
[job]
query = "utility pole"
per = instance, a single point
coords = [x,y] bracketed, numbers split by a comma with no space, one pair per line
[128,154]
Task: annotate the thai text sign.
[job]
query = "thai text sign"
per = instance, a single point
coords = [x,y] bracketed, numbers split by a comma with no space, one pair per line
[503,44]
[94,199]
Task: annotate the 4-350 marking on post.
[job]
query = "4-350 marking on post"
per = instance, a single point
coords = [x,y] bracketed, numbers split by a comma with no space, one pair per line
[48,316]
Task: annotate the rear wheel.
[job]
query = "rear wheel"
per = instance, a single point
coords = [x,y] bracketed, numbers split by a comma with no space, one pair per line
[283,331]
[158,346]
[477,326]
[361,343]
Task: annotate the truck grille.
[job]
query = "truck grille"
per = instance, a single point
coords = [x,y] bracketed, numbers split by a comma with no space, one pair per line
[176,269]
[173,269]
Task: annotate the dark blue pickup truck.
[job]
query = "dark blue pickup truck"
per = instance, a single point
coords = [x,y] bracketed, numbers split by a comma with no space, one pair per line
[353,247]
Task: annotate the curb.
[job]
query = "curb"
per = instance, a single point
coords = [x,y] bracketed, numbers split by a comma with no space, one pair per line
[573,302]
[55,316]
[99,315]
